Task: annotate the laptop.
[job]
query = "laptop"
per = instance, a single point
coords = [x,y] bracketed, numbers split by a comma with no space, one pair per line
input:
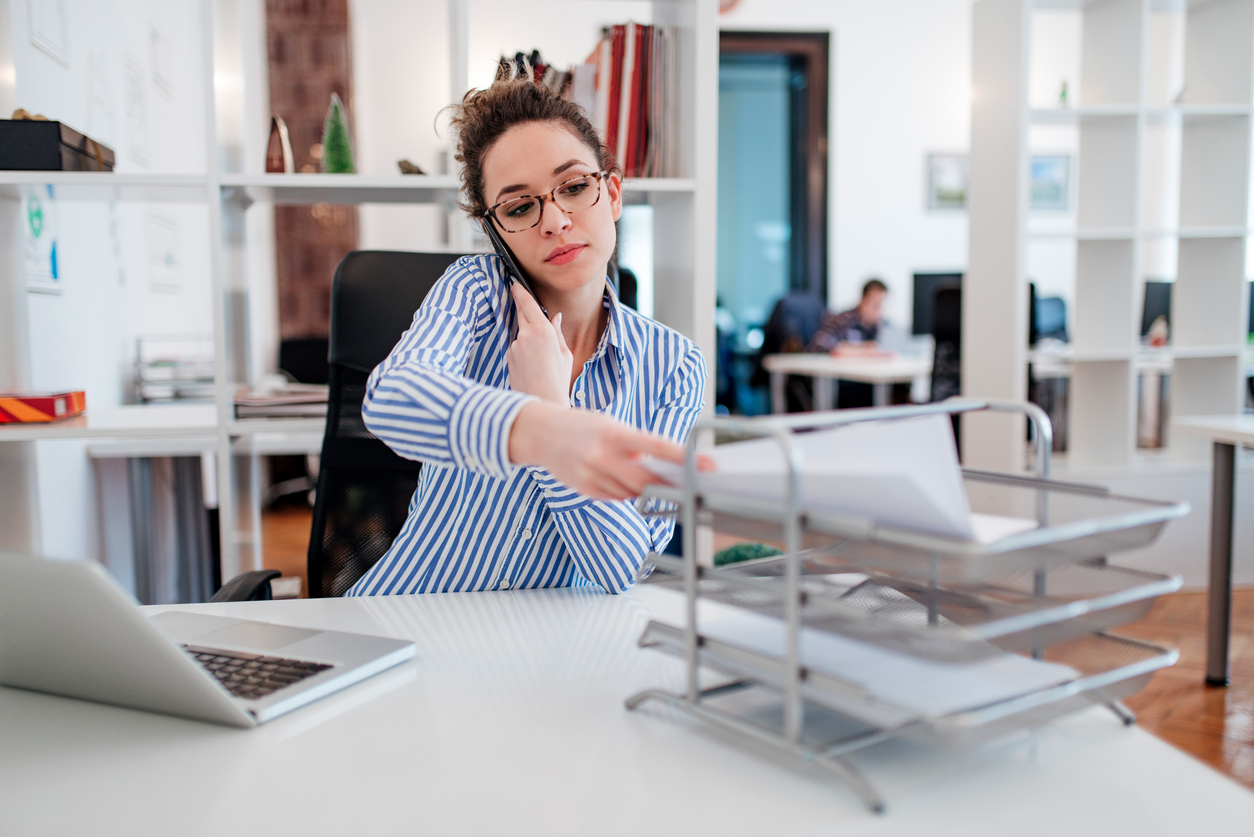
[67,628]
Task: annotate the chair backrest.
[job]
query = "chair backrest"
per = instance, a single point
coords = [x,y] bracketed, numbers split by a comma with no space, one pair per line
[305,359]
[792,323]
[947,354]
[947,331]
[364,488]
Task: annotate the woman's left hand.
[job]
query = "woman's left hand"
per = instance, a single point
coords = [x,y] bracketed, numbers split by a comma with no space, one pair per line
[539,360]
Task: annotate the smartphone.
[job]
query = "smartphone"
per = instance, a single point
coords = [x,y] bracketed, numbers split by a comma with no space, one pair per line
[513,272]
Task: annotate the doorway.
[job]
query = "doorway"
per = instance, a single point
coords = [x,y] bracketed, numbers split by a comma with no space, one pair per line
[772,194]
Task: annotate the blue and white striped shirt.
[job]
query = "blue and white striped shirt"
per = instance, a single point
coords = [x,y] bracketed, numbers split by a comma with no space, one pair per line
[476,522]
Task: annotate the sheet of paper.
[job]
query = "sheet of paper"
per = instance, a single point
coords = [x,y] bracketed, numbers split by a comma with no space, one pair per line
[989,528]
[930,688]
[900,474]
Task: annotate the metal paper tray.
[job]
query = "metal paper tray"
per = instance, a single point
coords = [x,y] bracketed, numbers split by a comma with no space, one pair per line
[1110,667]
[953,624]
[1076,523]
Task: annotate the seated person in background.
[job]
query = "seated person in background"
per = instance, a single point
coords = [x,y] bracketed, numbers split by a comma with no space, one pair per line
[853,331]
[531,444]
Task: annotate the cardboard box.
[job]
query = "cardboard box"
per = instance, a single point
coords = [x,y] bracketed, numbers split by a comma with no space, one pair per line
[38,407]
[38,145]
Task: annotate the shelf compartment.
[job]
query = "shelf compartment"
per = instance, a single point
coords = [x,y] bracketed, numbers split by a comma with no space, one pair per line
[1105,288]
[1214,172]
[1207,296]
[1110,668]
[1107,194]
[1111,52]
[955,624]
[1218,62]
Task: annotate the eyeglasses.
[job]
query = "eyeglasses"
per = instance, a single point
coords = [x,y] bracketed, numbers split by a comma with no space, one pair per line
[523,213]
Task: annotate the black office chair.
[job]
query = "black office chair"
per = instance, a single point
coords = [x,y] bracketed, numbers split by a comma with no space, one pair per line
[364,488]
[947,354]
[790,328]
[305,359]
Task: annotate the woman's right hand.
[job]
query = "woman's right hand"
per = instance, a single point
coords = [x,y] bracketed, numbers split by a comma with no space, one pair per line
[590,452]
[538,359]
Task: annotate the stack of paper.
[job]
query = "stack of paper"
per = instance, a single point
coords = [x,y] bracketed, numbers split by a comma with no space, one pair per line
[929,688]
[899,474]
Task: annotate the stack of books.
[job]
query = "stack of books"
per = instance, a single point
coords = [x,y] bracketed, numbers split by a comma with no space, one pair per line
[627,86]
[287,401]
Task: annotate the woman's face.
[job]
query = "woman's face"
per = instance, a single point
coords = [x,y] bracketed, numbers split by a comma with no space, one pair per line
[562,252]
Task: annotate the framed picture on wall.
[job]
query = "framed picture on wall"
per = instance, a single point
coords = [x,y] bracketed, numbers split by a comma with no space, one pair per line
[1050,182]
[946,182]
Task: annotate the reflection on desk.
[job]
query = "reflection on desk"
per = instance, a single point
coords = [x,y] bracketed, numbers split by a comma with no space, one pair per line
[511,721]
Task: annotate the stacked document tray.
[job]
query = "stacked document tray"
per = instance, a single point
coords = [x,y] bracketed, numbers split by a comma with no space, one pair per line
[902,634]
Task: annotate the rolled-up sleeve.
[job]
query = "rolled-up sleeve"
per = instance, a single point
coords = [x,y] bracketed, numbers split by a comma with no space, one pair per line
[607,540]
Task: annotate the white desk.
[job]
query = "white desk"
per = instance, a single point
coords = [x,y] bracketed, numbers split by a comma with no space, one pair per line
[827,369]
[1226,433]
[511,722]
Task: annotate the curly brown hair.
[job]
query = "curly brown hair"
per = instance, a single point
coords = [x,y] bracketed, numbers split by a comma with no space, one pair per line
[484,116]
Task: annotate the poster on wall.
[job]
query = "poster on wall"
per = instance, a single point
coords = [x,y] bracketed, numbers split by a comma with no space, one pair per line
[136,109]
[161,238]
[39,240]
[1051,182]
[946,182]
[48,28]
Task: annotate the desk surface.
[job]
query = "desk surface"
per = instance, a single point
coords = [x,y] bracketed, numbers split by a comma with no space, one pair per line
[887,370]
[511,721]
[1231,429]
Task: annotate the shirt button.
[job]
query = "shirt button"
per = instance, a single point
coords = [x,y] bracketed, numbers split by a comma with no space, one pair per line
[526,533]
[579,395]
[505,584]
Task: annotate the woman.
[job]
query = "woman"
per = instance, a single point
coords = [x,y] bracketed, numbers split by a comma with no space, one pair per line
[531,444]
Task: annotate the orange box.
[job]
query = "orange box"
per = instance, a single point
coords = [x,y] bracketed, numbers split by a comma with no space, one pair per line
[36,407]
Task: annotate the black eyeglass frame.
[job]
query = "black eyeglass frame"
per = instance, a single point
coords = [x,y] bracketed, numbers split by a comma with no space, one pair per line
[599,176]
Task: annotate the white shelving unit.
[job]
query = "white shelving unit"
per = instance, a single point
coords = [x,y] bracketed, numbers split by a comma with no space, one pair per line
[684,212]
[1121,115]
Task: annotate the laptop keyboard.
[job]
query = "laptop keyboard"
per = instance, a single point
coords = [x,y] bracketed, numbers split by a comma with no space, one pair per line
[253,676]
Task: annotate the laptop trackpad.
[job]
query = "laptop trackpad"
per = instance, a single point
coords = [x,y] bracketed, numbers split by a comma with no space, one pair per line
[260,635]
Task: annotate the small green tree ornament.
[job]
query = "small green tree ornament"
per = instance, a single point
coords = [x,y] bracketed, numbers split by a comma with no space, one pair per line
[337,146]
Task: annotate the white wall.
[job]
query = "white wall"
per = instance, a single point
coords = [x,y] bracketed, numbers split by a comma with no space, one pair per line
[133,78]
[900,88]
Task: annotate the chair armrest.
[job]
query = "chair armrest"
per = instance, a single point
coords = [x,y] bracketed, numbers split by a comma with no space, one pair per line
[247,587]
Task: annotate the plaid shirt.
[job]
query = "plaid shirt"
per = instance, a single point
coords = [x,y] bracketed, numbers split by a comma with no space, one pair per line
[845,327]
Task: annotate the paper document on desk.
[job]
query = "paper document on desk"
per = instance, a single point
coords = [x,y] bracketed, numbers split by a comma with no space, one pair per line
[900,474]
[928,687]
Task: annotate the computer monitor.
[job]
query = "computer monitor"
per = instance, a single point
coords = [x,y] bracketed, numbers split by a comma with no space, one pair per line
[925,287]
[1157,304]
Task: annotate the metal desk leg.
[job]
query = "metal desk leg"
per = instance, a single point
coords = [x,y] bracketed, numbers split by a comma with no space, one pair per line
[1219,591]
[778,406]
[824,393]
[880,394]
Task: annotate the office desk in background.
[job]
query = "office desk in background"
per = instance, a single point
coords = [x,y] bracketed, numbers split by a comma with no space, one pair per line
[511,721]
[827,369]
[156,431]
[1226,433]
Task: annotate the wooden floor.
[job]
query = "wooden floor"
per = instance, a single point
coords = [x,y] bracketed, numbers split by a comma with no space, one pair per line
[1214,725]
